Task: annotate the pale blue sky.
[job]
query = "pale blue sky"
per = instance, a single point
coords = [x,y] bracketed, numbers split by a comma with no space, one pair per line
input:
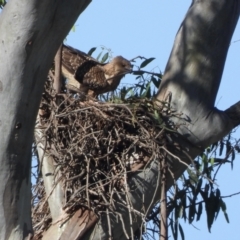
[148,28]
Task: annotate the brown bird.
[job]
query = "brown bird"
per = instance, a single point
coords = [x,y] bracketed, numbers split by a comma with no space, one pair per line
[93,78]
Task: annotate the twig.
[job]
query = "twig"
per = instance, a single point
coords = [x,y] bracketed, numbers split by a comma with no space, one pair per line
[174,156]
[163,197]
[58,64]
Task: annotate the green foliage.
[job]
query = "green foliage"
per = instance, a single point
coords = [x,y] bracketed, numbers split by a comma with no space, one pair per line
[197,189]
[147,82]
[104,56]
[2,3]
[90,52]
[146,62]
[145,88]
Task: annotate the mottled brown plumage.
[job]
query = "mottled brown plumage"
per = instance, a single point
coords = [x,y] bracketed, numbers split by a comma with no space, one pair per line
[93,77]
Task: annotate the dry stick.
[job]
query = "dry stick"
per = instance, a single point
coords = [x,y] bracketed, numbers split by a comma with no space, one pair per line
[163,202]
[123,204]
[109,225]
[231,195]
[128,204]
[133,60]
[175,184]
[123,106]
[79,176]
[104,156]
[87,181]
[101,113]
[142,71]
[66,112]
[123,225]
[89,134]
[58,63]
[51,74]
[174,156]
[82,188]
[107,210]
[157,187]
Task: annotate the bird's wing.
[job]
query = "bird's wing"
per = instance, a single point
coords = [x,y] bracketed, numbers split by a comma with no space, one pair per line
[85,69]
[72,58]
[91,75]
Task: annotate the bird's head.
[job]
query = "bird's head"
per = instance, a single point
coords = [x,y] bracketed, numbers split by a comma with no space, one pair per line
[121,65]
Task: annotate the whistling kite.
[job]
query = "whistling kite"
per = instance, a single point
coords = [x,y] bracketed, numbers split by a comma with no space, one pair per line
[93,78]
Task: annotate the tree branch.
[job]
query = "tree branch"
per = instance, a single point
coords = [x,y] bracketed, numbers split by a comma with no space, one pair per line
[233,113]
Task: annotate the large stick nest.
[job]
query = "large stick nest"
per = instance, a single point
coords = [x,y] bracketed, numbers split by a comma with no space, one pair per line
[96,147]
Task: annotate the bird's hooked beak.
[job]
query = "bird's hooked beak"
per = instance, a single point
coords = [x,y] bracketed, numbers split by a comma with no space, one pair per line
[129,69]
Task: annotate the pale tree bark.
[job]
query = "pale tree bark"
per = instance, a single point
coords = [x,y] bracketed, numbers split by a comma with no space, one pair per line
[31,32]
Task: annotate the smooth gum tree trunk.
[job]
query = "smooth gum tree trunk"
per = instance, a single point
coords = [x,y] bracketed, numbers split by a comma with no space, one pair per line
[31,32]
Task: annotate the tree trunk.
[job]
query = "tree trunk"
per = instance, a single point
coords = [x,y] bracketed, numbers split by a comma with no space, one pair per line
[193,75]
[31,32]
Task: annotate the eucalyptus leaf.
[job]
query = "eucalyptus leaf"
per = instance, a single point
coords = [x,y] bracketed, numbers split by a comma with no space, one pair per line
[221,148]
[90,52]
[181,231]
[212,161]
[228,147]
[99,55]
[105,57]
[233,154]
[146,62]
[199,212]
[176,230]
[155,81]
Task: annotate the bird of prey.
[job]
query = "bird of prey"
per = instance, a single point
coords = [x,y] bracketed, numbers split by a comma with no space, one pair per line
[89,76]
